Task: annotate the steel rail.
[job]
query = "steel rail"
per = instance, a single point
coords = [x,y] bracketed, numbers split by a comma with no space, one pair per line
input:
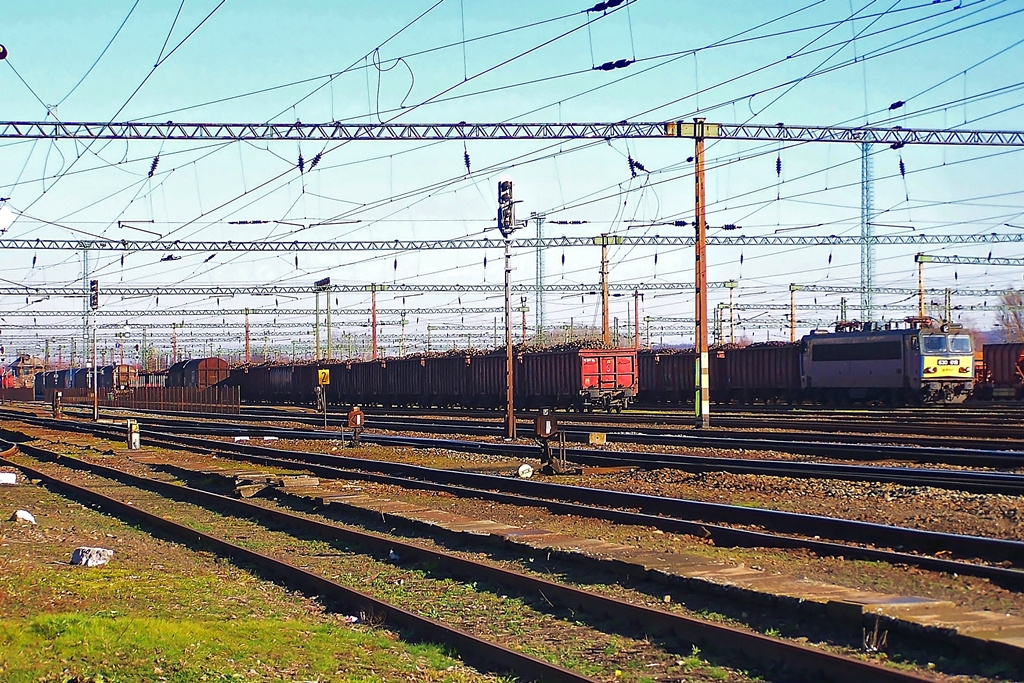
[918,540]
[722,535]
[793,657]
[863,430]
[989,549]
[968,452]
[469,646]
[960,480]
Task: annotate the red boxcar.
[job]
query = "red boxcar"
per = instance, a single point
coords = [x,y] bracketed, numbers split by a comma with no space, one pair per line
[585,379]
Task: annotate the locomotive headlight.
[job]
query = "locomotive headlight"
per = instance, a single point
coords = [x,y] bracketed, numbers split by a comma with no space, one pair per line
[964,370]
[930,370]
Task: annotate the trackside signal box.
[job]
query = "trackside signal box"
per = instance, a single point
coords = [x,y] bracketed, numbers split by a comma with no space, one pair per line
[545,425]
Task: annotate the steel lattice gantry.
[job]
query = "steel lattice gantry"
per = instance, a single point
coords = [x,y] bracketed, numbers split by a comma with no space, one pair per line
[274,290]
[224,312]
[410,132]
[698,130]
[903,291]
[121,246]
[970,260]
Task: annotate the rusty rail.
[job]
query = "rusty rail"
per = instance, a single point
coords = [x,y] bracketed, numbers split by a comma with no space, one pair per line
[469,646]
[790,659]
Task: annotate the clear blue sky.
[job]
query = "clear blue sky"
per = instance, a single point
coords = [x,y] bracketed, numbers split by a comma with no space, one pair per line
[955,64]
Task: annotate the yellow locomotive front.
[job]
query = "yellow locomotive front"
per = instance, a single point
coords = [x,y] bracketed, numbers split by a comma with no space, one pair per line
[946,364]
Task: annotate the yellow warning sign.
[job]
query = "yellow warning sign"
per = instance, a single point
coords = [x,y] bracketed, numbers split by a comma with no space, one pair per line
[323,377]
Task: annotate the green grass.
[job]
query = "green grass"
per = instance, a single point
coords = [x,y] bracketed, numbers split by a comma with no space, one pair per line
[70,647]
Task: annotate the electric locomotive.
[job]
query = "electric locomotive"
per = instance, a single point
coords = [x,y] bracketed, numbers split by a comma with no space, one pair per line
[917,364]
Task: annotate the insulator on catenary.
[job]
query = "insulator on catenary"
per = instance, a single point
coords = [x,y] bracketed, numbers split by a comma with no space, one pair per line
[485,261]
[302,164]
[315,160]
[617,64]
[152,167]
[896,105]
[465,158]
[396,264]
[605,5]
[635,166]
[778,165]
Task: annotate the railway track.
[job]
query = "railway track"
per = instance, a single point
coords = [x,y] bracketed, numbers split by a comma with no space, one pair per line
[785,659]
[966,453]
[849,538]
[963,480]
[990,428]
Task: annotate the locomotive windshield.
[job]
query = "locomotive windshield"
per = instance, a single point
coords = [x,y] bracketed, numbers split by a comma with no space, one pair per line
[941,343]
[960,343]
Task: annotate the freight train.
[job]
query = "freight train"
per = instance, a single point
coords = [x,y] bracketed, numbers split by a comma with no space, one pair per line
[572,378]
[912,365]
[107,377]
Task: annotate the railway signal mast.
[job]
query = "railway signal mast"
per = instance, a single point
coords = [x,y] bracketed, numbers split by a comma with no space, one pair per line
[507,225]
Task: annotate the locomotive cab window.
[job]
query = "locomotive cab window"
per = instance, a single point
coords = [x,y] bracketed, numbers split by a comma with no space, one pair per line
[933,343]
[960,343]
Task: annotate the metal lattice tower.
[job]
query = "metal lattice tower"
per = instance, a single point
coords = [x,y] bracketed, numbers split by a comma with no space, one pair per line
[867,248]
